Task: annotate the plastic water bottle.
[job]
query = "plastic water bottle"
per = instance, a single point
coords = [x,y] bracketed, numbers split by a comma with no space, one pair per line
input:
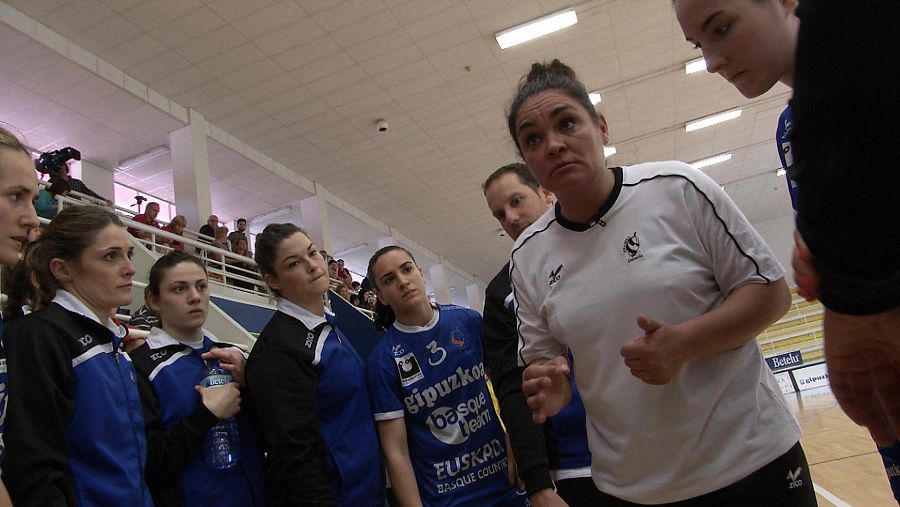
[222,445]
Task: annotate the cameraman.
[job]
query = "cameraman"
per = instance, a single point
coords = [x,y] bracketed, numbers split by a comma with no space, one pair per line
[55,163]
[76,185]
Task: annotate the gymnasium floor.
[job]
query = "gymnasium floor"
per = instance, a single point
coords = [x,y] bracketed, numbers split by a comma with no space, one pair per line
[846,469]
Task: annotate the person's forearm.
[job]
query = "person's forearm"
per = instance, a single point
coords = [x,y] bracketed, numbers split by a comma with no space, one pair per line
[745,313]
[403,480]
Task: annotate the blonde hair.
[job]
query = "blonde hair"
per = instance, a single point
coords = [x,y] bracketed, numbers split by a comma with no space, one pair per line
[8,140]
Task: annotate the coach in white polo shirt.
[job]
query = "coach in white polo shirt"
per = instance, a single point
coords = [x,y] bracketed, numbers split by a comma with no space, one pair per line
[655,281]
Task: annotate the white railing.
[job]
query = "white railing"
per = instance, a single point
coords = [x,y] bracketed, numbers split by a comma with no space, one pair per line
[220,263]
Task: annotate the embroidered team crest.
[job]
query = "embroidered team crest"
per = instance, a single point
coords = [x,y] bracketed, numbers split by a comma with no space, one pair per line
[632,247]
[409,369]
[457,338]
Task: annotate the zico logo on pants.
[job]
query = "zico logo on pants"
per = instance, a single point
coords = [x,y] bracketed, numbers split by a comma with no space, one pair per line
[428,396]
[453,426]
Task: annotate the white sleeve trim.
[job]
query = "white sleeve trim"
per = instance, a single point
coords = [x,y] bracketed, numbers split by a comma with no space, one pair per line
[389,416]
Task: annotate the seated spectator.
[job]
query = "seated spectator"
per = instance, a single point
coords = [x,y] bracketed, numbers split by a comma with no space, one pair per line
[176,226]
[344,274]
[45,205]
[344,292]
[365,285]
[216,259]
[240,233]
[144,318]
[354,287]
[209,229]
[355,301]
[76,185]
[148,217]
[239,267]
[333,270]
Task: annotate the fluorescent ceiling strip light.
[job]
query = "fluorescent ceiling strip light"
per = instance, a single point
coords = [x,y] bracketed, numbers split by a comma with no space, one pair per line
[712,120]
[143,158]
[595,97]
[706,162]
[694,66]
[536,28]
[609,151]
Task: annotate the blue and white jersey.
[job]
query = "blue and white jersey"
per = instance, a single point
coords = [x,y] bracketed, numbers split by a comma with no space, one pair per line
[433,376]
[3,392]
[785,152]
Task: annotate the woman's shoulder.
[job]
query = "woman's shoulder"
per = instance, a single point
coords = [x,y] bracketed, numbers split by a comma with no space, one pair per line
[284,333]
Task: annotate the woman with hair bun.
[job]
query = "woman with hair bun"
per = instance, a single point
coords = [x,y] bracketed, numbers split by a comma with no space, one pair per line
[75,425]
[309,387]
[658,285]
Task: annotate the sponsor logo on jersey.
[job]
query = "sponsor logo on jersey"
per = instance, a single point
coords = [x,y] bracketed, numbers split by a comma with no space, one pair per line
[457,338]
[409,369]
[455,467]
[156,356]
[453,425]
[793,477]
[309,339]
[632,247]
[554,275]
[86,340]
[428,396]
[397,350]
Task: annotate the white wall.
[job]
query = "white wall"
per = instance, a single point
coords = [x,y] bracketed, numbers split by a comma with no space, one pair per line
[779,234]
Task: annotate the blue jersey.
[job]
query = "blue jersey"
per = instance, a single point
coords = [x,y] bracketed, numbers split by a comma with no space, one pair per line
[176,423]
[3,378]
[785,153]
[433,376]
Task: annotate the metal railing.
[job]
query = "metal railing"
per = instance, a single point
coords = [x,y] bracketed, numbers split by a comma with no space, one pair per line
[225,268]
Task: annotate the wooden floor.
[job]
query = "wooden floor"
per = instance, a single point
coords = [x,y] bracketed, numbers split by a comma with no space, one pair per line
[845,466]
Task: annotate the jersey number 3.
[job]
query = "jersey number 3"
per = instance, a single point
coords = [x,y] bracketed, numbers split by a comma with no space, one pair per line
[438,354]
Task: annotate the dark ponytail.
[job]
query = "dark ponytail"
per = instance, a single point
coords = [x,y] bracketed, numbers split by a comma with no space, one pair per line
[384,314]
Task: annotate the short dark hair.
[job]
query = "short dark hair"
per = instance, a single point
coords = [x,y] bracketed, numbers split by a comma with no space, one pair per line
[59,186]
[548,76]
[239,220]
[519,169]
[165,263]
[267,243]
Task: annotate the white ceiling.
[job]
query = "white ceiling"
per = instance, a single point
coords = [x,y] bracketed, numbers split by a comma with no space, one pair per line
[305,81]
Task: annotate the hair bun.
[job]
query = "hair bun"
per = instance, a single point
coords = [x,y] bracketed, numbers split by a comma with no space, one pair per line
[554,68]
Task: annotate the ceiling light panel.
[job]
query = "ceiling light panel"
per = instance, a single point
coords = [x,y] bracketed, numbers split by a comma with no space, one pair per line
[709,121]
[536,28]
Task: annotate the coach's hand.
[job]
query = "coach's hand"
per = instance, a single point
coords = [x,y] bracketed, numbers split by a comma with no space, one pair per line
[656,356]
[547,387]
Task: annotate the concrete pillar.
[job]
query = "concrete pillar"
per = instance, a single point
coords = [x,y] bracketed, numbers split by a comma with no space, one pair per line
[314,213]
[474,294]
[190,170]
[98,179]
[439,284]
